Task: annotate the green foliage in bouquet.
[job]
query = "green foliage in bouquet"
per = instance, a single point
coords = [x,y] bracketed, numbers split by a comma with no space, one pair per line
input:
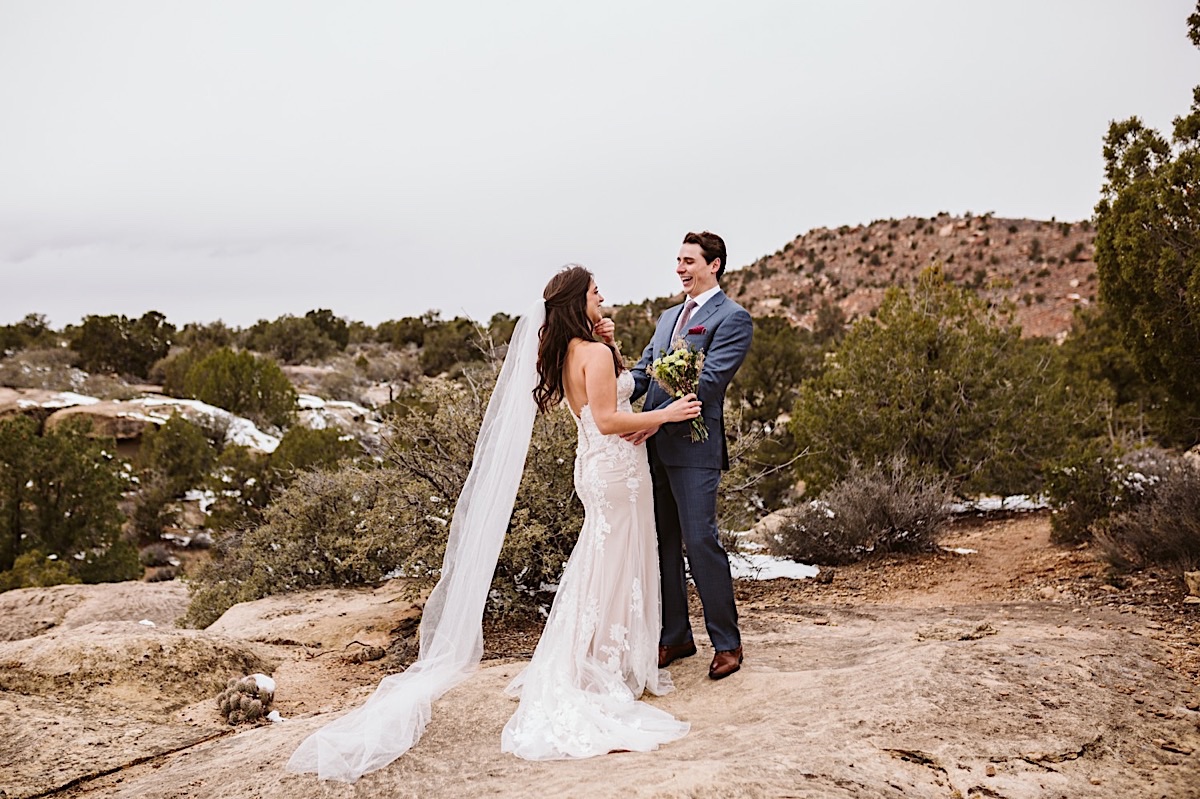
[678,372]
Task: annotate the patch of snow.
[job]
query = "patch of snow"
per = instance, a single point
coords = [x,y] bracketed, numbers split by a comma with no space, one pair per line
[1017,502]
[62,399]
[264,682]
[960,550]
[275,717]
[204,498]
[308,402]
[353,407]
[314,420]
[147,623]
[141,417]
[768,567]
[244,433]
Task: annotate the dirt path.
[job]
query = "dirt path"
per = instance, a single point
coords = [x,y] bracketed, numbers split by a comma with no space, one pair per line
[1017,671]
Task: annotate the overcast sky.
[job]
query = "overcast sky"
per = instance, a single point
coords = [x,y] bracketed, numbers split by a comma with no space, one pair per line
[241,160]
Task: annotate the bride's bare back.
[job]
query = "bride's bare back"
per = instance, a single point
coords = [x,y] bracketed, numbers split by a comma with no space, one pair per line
[589,380]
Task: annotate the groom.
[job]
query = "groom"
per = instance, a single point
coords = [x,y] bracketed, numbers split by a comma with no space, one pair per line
[686,474]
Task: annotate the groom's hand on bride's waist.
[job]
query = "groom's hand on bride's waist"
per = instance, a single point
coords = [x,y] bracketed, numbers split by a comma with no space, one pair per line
[639,436]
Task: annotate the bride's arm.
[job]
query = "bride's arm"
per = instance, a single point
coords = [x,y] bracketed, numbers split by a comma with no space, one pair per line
[601,386]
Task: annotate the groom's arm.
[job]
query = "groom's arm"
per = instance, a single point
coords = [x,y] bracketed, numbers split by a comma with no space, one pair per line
[729,346]
[641,378]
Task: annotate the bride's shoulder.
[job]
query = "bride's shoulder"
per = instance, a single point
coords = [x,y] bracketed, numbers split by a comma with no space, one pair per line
[589,349]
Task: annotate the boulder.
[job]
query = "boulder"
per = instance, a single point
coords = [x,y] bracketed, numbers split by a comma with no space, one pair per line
[111,419]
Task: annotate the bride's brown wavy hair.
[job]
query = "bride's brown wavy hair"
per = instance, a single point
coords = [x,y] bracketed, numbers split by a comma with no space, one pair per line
[566,319]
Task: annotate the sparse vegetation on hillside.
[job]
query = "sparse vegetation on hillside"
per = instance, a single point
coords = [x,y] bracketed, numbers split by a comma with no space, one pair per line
[947,382]
[1044,268]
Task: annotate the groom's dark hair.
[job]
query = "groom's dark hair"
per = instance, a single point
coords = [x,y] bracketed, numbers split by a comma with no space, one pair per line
[712,245]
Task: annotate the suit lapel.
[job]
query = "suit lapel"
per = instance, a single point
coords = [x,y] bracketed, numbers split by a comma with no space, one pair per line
[706,311]
[662,336]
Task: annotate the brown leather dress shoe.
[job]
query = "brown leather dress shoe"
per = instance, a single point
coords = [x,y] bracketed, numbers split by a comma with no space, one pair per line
[669,654]
[725,663]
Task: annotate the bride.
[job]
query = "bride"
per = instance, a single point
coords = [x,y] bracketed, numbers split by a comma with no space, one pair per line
[579,695]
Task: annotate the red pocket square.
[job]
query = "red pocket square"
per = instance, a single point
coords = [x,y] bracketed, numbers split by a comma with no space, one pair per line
[698,329]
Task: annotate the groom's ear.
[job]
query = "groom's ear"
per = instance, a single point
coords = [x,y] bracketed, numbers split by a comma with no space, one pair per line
[716,265]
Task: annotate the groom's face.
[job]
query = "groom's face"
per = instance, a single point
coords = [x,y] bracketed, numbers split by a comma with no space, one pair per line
[696,275]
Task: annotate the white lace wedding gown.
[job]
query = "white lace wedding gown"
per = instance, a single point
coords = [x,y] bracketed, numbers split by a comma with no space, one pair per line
[599,650]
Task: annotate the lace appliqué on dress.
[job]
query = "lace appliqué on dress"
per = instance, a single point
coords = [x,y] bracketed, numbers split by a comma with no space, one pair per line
[599,651]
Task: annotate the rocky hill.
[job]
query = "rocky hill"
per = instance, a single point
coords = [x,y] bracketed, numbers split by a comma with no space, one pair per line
[1044,268]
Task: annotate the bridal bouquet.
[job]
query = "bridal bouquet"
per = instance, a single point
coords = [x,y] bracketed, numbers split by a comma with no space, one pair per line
[678,372]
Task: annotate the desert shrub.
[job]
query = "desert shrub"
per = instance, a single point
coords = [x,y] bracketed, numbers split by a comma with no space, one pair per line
[400,333]
[303,448]
[434,441]
[1082,490]
[1088,488]
[34,570]
[886,508]
[335,328]
[171,372]
[243,383]
[449,344]
[242,481]
[290,339]
[1142,407]
[123,345]
[340,384]
[162,574]
[152,509]
[49,368]
[32,331]
[946,381]
[351,527]
[386,365]
[179,452]
[245,481]
[173,458]
[113,564]
[107,387]
[156,555]
[59,495]
[356,526]
[1147,247]
[1162,528]
[207,337]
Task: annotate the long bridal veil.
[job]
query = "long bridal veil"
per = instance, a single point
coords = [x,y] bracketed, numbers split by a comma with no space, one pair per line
[392,720]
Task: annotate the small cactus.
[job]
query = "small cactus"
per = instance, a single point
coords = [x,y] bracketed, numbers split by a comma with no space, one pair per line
[243,701]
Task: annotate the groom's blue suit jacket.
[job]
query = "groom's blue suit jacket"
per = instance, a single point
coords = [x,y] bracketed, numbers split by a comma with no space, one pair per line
[723,332]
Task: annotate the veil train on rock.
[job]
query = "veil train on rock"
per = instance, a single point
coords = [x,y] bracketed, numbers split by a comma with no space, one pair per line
[393,718]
